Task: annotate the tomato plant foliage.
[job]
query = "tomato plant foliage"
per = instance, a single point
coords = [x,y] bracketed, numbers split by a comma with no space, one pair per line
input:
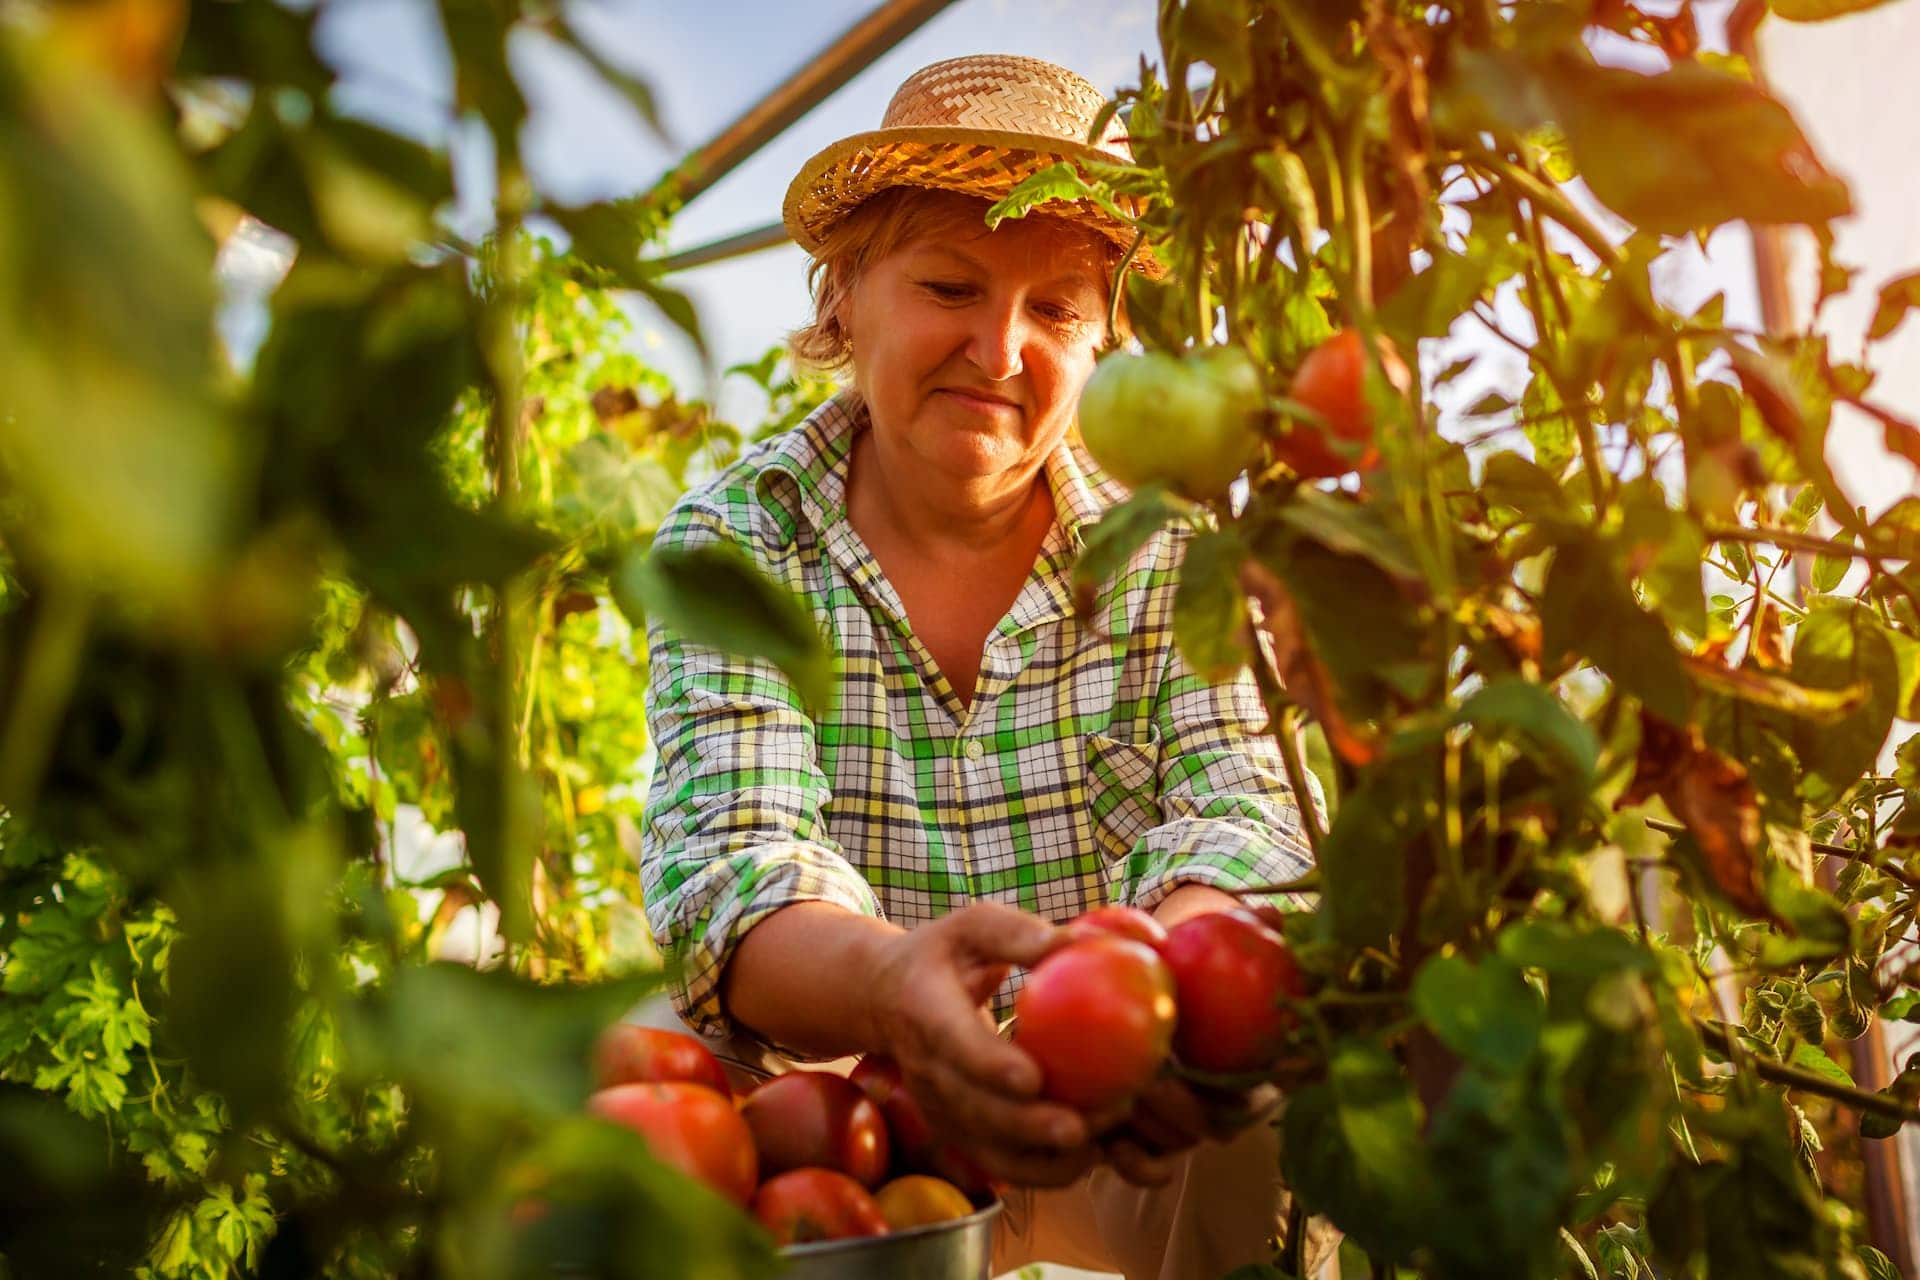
[1613,870]
[313,669]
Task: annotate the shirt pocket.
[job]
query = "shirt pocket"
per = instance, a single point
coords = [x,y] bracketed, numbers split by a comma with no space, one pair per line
[1123,790]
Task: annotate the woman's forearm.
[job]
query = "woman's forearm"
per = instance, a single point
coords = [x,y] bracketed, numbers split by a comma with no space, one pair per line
[800,978]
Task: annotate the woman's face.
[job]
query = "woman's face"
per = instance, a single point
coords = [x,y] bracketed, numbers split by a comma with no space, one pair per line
[971,348]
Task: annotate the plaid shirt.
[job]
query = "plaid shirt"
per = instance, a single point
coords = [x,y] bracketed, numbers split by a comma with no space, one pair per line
[1092,765]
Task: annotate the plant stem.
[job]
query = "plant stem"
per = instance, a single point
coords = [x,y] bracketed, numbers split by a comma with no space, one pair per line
[1120,286]
[1818,846]
[1808,1081]
[1787,538]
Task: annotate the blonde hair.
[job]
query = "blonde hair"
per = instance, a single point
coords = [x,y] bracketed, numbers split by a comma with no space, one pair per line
[881,224]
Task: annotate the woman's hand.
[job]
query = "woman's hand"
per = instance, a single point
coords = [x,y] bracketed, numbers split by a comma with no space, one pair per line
[1174,1115]
[928,995]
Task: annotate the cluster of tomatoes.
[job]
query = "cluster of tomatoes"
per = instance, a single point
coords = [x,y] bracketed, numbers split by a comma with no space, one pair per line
[817,1156]
[811,1155]
[1195,422]
[1103,1014]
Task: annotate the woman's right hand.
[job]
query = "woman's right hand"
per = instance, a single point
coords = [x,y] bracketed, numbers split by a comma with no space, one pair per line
[927,999]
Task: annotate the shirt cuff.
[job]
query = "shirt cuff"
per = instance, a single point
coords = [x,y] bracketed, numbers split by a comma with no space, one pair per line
[1220,852]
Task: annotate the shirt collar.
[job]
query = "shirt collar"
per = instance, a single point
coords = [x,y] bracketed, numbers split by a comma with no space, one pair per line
[803,475]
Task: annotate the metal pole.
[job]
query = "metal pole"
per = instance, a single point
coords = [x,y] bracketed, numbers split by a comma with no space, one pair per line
[734,246]
[817,78]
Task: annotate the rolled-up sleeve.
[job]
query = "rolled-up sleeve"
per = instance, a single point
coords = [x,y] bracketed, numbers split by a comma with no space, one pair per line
[1229,817]
[735,826]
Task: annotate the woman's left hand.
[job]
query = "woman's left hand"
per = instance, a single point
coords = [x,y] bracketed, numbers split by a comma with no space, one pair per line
[1175,1115]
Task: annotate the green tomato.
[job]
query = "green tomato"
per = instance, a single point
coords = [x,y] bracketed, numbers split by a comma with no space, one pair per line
[1192,422]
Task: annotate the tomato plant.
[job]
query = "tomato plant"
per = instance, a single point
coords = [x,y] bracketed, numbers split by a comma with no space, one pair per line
[1618,856]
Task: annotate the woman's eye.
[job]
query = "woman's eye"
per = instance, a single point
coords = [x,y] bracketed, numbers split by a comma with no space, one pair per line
[947,292]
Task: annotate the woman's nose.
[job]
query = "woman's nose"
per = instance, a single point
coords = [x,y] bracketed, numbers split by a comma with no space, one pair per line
[997,342]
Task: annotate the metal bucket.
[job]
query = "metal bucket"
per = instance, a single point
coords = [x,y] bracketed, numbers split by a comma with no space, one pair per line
[957,1250]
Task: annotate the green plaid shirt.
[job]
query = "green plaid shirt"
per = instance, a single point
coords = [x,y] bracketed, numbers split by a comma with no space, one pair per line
[1091,767]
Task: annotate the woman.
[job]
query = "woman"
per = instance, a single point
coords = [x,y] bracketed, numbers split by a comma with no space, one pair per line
[873,878]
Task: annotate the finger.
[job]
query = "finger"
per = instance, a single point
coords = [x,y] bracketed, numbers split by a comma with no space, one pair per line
[1172,1115]
[1135,1165]
[976,1115]
[1000,934]
[1234,1113]
[1028,1168]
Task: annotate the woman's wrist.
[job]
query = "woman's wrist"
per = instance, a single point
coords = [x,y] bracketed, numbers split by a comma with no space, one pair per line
[803,978]
[1189,900]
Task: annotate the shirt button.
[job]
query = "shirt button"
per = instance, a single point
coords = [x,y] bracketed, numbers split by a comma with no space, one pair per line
[975,750]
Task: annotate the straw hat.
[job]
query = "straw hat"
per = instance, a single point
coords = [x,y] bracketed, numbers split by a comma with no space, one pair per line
[978,125]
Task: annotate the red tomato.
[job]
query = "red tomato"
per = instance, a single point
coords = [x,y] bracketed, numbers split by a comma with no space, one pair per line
[909,1135]
[1119,922]
[1098,1018]
[1332,381]
[689,1127]
[816,1204]
[810,1119]
[627,1054]
[1230,971]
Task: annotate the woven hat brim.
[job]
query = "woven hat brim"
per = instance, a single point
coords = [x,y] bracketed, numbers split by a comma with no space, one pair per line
[981,162]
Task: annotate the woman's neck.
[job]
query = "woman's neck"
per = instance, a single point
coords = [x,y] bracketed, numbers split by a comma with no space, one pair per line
[938,518]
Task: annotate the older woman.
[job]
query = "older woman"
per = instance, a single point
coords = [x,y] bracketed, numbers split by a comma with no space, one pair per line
[872,878]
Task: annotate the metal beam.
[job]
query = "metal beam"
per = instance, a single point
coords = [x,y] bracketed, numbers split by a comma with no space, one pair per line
[734,246]
[817,78]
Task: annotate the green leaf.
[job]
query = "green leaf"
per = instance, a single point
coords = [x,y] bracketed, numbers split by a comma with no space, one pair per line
[1829,570]
[1062,181]
[1878,1265]
[714,594]
[1511,702]
[1587,609]
[437,1028]
[1837,646]
[1484,1012]
[1363,859]
[1210,608]
[1354,528]
[1523,484]
[1811,1058]
[1351,1149]
[1690,147]
[1285,174]
[1427,305]
[1563,949]
[1122,530]
[1820,10]
[1896,532]
[1897,297]
[1548,426]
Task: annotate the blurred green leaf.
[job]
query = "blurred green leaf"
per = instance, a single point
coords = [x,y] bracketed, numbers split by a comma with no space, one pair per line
[1534,710]
[714,594]
[1210,608]
[1351,1149]
[1484,1012]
